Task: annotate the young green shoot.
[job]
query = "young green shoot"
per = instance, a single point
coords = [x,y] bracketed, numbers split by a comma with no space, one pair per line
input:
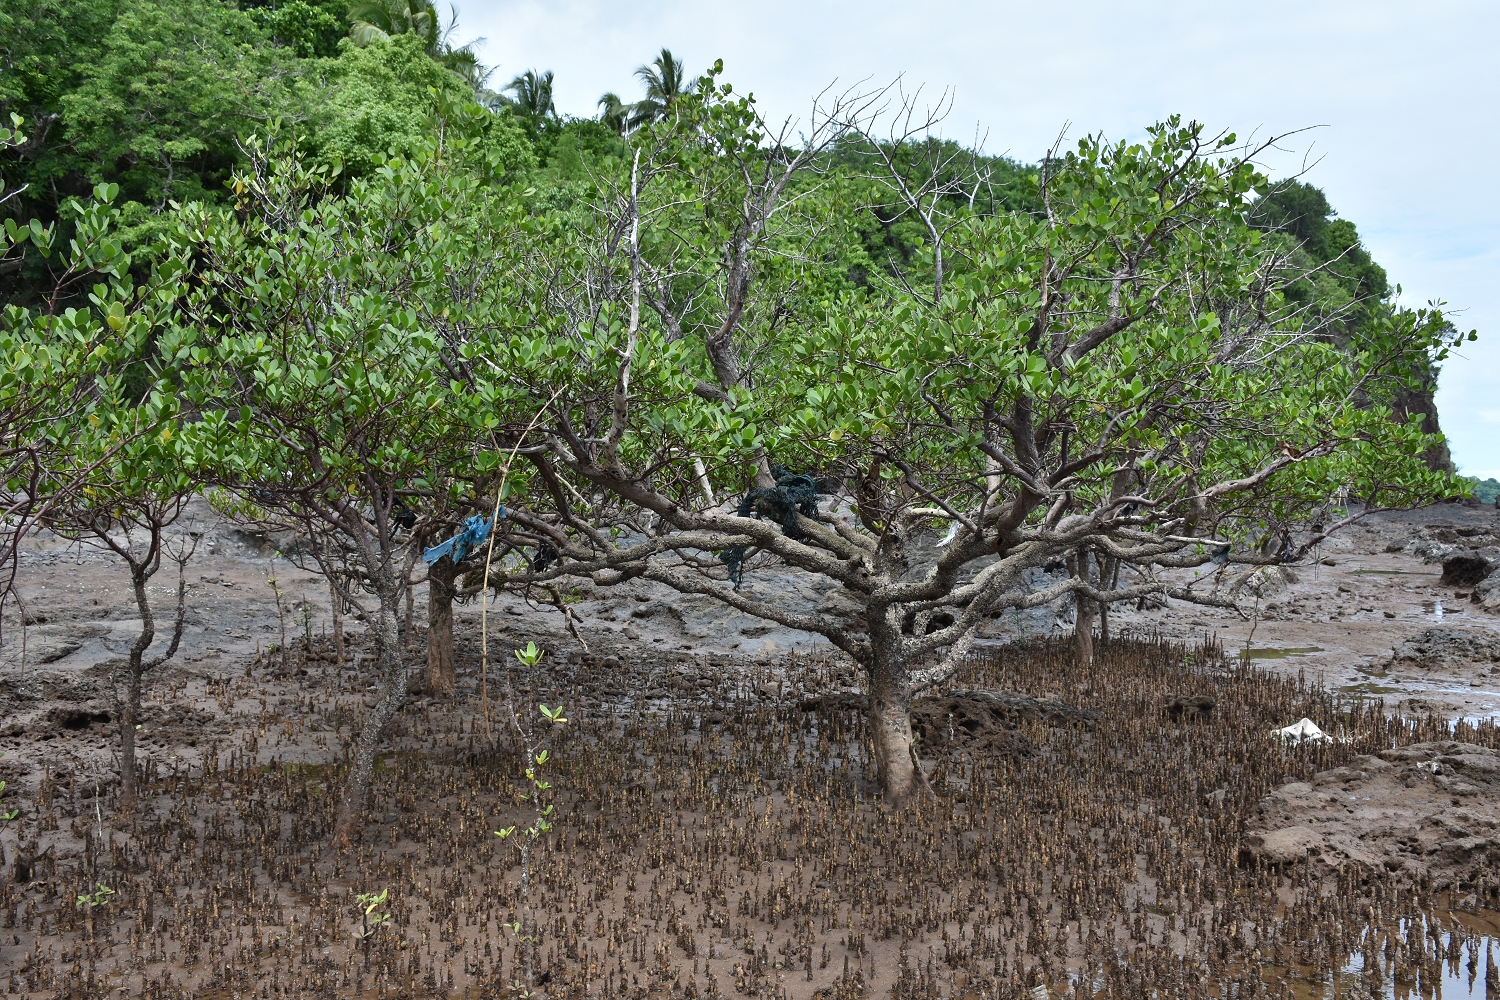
[536,756]
[91,901]
[370,920]
[98,897]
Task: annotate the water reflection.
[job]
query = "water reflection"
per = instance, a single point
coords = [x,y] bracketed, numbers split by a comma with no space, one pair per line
[1452,958]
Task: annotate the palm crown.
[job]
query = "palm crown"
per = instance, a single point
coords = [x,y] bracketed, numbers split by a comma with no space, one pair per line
[533,94]
[665,82]
[378,20]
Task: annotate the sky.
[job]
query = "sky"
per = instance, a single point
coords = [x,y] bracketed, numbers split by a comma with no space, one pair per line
[1399,104]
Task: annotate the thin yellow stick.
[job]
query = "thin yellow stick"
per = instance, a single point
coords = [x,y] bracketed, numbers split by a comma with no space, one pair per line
[484,586]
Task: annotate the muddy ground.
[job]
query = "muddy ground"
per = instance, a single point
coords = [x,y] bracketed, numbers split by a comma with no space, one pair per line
[244,749]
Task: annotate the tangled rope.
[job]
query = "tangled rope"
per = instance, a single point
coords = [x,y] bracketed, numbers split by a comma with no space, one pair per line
[793,494]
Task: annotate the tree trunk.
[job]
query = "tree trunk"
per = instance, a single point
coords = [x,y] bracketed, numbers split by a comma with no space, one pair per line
[128,701]
[387,636]
[440,593]
[127,758]
[337,603]
[890,729]
[1083,631]
[1083,621]
[1109,578]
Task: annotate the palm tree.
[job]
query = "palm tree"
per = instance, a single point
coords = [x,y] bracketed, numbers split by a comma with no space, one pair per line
[465,64]
[615,113]
[665,83]
[533,92]
[377,20]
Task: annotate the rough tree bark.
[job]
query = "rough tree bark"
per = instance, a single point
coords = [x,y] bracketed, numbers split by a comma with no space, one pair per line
[1083,632]
[889,716]
[1083,621]
[392,670]
[128,705]
[441,676]
[128,676]
[336,603]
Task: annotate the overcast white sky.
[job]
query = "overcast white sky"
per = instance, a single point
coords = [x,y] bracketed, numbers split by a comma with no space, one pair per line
[1406,94]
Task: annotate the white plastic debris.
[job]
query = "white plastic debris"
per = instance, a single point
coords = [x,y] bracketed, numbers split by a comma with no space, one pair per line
[1302,731]
[952,534]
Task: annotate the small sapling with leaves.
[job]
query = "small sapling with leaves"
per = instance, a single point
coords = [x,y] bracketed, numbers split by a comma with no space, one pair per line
[536,756]
[370,920]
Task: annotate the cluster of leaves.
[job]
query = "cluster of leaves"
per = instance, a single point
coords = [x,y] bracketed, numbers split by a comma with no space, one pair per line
[1484,490]
[1337,288]
[155,96]
[370,917]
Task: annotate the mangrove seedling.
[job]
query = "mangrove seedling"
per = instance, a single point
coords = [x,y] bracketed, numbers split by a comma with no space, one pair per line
[536,756]
[370,920]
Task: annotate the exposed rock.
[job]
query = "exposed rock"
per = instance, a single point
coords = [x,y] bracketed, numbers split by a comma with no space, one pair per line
[1436,552]
[1487,592]
[986,721]
[1282,847]
[1263,581]
[1423,400]
[1465,569]
[1467,534]
[1444,647]
[841,602]
[49,643]
[1428,810]
[1191,708]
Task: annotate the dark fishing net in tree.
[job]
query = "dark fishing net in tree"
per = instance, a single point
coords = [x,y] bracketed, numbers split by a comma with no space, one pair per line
[793,494]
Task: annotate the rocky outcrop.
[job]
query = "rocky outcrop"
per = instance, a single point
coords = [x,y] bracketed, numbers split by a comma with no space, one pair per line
[1428,810]
[1446,647]
[1436,543]
[1470,557]
[1487,592]
[1438,457]
[1465,569]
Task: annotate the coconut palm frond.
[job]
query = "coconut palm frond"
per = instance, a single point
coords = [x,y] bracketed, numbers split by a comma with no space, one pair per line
[377,20]
[665,82]
[615,113]
[533,94]
[363,33]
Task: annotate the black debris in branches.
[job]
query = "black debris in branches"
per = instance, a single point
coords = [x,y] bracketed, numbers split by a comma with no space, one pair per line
[793,494]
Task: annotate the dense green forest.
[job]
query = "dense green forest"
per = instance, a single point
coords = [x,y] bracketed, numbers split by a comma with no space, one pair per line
[157,96]
[1486,490]
[313,261]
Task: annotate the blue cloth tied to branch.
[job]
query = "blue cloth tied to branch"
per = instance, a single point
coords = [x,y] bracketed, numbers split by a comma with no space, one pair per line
[476,530]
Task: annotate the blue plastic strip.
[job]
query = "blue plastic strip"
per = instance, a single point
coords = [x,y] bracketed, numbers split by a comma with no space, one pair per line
[476,530]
